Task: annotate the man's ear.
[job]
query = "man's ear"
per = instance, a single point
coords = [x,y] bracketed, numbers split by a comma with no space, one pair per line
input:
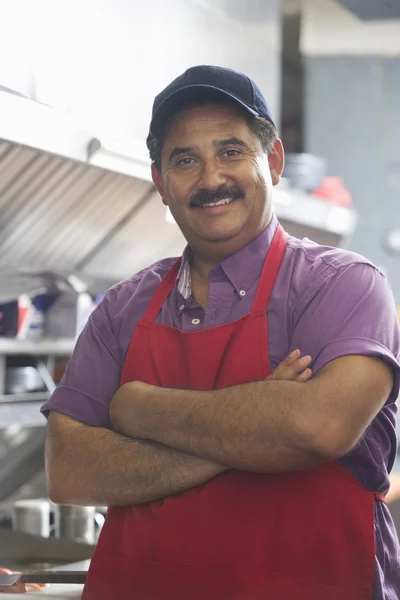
[276,161]
[158,182]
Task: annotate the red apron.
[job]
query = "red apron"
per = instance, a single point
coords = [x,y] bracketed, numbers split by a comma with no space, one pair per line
[242,536]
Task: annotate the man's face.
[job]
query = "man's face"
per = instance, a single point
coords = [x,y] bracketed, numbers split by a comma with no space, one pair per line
[216,179]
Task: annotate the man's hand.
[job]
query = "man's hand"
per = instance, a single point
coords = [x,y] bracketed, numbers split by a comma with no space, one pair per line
[293,368]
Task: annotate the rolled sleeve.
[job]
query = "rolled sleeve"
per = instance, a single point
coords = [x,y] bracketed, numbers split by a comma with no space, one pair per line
[363,346]
[92,375]
[352,311]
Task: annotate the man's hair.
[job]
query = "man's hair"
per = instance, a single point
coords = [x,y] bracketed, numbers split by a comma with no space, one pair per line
[263,128]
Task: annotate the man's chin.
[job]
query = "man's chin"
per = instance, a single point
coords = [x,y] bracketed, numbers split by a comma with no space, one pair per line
[222,235]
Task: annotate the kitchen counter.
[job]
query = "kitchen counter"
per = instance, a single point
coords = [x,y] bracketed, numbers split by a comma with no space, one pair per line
[55,591]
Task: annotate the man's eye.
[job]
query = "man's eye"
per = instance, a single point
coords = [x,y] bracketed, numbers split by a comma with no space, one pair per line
[185,161]
[232,152]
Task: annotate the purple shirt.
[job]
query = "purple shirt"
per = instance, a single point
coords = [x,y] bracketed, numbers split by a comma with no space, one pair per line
[327,302]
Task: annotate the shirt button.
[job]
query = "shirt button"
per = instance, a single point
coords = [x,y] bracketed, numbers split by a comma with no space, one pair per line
[195,321]
[182,306]
[242,293]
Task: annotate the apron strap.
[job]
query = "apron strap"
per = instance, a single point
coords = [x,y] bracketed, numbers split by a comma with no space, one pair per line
[267,280]
[270,270]
[161,293]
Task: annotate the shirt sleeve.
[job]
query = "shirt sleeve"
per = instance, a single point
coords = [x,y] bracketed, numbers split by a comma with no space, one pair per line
[92,375]
[351,311]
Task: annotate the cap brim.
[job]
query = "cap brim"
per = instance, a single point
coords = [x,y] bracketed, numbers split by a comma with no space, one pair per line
[178,99]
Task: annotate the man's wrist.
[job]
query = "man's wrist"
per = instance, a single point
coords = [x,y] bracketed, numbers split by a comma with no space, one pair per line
[128,409]
[113,413]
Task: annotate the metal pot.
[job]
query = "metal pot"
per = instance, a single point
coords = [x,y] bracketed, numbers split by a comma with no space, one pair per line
[31,516]
[78,523]
[23,379]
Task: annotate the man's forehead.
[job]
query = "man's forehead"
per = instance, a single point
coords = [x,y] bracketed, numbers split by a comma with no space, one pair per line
[208,119]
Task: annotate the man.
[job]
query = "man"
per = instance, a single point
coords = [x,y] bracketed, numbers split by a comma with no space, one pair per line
[225,483]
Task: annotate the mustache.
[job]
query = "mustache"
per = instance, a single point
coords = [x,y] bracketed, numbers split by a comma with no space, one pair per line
[207,196]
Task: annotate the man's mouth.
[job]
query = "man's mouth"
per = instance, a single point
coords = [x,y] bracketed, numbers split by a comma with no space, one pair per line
[221,197]
[218,203]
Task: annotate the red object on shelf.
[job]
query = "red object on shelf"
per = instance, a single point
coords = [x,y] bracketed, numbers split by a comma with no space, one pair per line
[332,190]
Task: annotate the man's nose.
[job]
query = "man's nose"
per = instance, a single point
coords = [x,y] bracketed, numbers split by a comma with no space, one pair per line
[212,175]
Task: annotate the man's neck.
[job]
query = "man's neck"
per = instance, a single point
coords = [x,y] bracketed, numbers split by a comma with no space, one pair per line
[203,261]
[209,255]
[200,268]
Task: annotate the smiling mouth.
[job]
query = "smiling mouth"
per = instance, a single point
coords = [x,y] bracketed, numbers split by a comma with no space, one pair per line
[218,203]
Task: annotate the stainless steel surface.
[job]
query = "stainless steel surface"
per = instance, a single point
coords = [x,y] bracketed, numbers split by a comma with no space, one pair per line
[32,516]
[296,208]
[59,347]
[24,408]
[60,591]
[77,523]
[54,592]
[23,456]
[22,398]
[26,413]
[67,577]
[23,379]
[304,171]
[46,375]
[21,551]
[55,211]
[138,243]
[64,216]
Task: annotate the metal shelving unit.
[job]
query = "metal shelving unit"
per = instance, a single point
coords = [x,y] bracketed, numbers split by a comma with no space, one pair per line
[305,215]
[24,408]
[45,346]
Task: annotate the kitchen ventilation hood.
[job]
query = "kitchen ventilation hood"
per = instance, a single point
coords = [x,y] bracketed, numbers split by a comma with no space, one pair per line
[73,201]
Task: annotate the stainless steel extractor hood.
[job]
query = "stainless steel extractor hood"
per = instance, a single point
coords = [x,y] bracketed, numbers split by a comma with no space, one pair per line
[73,201]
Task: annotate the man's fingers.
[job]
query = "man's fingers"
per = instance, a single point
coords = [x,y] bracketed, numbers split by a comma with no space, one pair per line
[290,359]
[301,364]
[292,367]
[304,376]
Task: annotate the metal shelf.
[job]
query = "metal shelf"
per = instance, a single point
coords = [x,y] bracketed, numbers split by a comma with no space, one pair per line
[25,414]
[295,206]
[24,409]
[24,397]
[53,347]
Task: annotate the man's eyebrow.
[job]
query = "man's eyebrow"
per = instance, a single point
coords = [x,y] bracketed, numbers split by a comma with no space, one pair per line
[180,150]
[233,141]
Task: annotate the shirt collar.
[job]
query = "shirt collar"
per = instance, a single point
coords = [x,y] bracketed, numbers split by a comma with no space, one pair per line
[241,268]
[184,277]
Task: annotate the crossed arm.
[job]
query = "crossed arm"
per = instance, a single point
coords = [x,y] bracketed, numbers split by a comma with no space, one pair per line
[265,426]
[166,441]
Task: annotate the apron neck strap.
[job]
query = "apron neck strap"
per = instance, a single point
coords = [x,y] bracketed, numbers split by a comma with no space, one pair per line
[162,293]
[270,270]
[267,280]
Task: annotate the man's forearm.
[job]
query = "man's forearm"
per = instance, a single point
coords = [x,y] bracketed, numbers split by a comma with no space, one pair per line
[234,426]
[263,426]
[94,466]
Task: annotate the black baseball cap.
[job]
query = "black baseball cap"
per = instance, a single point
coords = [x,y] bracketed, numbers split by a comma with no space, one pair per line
[206,81]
